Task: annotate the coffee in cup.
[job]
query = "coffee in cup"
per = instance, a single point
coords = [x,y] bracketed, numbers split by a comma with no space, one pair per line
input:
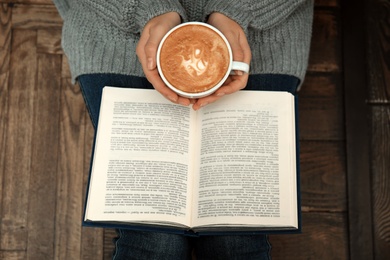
[194,59]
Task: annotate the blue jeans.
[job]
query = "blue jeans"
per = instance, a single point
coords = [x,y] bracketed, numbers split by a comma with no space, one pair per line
[149,245]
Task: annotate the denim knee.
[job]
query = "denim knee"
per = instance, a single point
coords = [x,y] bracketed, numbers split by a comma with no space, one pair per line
[241,247]
[150,245]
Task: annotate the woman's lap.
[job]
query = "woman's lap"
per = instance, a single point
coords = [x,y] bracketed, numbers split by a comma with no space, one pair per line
[149,245]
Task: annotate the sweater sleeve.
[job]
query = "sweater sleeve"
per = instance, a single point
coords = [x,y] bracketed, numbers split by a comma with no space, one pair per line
[259,14]
[132,15]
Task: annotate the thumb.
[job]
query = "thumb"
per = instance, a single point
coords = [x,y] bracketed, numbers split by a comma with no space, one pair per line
[238,52]
[241,50]
[151,47]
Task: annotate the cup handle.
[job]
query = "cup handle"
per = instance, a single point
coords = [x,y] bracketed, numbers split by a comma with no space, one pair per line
[238,65]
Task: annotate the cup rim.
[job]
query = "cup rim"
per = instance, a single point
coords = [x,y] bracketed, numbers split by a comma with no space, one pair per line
[206,92]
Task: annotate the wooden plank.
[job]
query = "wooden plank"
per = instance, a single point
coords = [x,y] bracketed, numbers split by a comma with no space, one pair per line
[378,49]
[94,240]
[65,68]
[379,96]
[321,107]
[327,3]
[357,131]
[324,236]
[89,138]
[17,162]
[31,2]
[5,29]
[70,173]
[323,177]
[325,50]
[35,17]
[42,189]
[92,243]
[49,41]
[380,170]
[109,235]
[5,50]
[13,255]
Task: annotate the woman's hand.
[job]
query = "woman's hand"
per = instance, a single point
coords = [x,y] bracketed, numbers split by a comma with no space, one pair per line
[241,52]
[146,51]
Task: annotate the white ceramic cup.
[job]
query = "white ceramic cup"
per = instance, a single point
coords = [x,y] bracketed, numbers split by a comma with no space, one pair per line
[232,66]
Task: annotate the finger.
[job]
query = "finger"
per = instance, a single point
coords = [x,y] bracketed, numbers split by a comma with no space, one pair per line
[230,88]
[184,101]
[202,102]
[245,54]
[156,33]
[235,84]
[140,51]
[154,78]
[238,52]
[245,49]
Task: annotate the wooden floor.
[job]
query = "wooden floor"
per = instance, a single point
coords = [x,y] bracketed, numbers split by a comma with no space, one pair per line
[344,106]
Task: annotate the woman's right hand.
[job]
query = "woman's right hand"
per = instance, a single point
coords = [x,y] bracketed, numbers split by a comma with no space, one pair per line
[151,37]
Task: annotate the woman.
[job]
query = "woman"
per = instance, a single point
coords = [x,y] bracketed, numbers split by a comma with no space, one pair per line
[113,42]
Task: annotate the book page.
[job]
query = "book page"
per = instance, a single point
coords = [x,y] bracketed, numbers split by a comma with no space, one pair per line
[247,169]
[140,169]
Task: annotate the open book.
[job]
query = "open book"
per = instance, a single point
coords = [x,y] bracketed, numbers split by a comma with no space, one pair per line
[230,166]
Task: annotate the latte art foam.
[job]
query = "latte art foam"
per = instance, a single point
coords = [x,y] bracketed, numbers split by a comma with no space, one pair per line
[194,58]
[197,64]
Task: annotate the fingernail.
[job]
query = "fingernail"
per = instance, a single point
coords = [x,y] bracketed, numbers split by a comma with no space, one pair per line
[204,104]
[172,98]
[150,63]
[183,103]
[239,72]
[220,94]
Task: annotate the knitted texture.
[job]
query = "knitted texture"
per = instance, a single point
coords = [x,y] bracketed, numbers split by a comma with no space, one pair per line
[100,36]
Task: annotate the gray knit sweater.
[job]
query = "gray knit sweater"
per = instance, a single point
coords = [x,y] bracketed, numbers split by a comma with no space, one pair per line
[100,36]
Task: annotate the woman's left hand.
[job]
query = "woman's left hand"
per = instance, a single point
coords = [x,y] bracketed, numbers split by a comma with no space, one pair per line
[146,51]
[241,52]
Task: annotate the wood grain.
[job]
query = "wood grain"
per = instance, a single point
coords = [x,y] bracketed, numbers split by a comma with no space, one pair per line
[323,177]
[13,255]
[65,68]
[44,158]
[5,29]
[325,47]
[31,2]
[70,173]
[321,107]
[379,51]
[378,63]
[49,41]
[5,51]
[327,3]
[324,236]
[92,242]
[109,235]
[35,17]
[357,131]
[19,130]
[380,154]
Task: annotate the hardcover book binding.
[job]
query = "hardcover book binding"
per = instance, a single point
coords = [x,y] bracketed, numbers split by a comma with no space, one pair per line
[232,166]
